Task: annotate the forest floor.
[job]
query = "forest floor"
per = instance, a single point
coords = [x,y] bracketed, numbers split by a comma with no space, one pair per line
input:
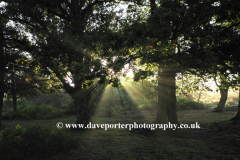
[218,138]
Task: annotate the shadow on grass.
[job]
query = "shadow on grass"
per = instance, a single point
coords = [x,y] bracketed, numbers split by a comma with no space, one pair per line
[217,138]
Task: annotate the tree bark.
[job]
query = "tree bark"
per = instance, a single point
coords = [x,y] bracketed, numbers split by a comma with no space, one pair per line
[14,95]
[172,101]
[82,110]
[237,115]
[222,102]
[2,71]
[162,116]
[167,109]
[81,100]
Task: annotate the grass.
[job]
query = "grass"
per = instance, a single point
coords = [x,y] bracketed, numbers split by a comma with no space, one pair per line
[217,138]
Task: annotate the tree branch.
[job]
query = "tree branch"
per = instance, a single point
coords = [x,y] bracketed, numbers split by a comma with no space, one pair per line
[233,25]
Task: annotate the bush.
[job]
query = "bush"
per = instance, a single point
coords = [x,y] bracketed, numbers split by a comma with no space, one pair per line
[130,107]
[145,108]
[69,109]
[9,114]
[22,103]
[185,103]
[34,142]
[34,112]
[148,105]
[39,112]
[56,100]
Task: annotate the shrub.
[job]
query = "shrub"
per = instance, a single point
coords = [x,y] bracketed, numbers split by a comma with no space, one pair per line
[129,107]
[39,112]
[27,110]
[144,107]
[185,103]
[148,105]
[69,108]
[34,142]
[56,102]
[8,114]
[7,104]
[22,103]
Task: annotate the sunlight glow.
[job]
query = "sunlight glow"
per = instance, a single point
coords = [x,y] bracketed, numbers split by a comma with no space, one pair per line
[110,98]
[132,91]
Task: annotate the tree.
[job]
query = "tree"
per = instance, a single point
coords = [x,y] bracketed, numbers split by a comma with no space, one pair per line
[15,40]
[154,43]
[224,86]
[200,46]
[21,76]
[226,44]
[2,67]
[176,36]
[236,117]
[62,35]
[21,81]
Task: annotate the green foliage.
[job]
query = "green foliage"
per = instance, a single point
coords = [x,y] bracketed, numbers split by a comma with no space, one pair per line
[108,111]
[44,106]
[56,100]
[39,112]
[69,108]
[34,112]
[33,142]
[148,105]
[185,103]
[189,83]
[130,107]
[8,113]
[108,101]
[111,110]
[22,102]
[8,106]
[128,100]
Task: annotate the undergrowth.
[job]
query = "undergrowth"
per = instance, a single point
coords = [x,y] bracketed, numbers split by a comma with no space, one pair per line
[33,142]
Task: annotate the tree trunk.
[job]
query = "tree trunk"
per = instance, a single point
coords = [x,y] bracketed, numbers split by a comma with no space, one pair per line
[167,109]
[14,95]
[162,113]
[237,115]
[2,72]
[172,101]
[1,99]
[162,116]
[81,100]
[222,102]
[1,104]
[82,110]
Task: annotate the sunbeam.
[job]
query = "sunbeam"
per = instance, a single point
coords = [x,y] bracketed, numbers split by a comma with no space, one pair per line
[133,91]
[110,101]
